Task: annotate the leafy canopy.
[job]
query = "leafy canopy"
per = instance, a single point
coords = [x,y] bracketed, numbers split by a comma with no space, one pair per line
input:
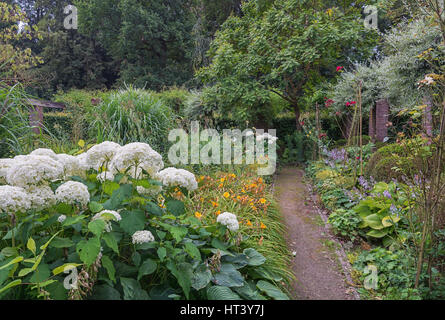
[287,47]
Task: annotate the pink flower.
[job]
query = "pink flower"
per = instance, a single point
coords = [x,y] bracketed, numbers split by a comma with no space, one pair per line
[350,103]
[339,68]
[329,103]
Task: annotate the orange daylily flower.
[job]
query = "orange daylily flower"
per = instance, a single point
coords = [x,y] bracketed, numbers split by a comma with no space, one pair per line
[198,215]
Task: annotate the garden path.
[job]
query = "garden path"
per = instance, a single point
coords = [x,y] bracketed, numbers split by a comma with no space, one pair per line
[319,263]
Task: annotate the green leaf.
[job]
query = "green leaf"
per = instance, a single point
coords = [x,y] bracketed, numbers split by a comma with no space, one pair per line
[183,273]
[193,251]
[153,208]
[162,253]
[65,267]
[10,285]
[73,220]
[109,187]
[119,196]
[97,227]
[41,274]
[63,208]
[88,250]
[254,258]
[132,221]
[148,267]
[378,233]
[136,258]
[105,292]
[228,276]
[201,277]
[14,261]
[31,245]
[176,207]
[373,221]
[9,252]
[61,243]
[108,265]
[95,207]
[132,290]
[25,271]
[111,242]
[271,290]
[221,293]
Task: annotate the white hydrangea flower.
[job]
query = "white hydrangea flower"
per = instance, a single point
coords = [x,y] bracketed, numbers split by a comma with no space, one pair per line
[41,197]
[171,177]
[61,218]
[105,176]
[13,199]
[73,192]
[71,165]
[83,164]
[228,219]
[33,170]
[107,216]
[151,192]
[44,152]
[135,157]
[140,237]
[5,164]
[101,154]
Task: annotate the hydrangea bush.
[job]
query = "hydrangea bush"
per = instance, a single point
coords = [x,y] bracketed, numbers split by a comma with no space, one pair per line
[108,224]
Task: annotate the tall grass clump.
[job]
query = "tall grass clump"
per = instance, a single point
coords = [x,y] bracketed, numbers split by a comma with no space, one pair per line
[132,115]
[15,130]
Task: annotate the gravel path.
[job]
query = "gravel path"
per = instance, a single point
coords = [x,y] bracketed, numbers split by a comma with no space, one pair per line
[319,263]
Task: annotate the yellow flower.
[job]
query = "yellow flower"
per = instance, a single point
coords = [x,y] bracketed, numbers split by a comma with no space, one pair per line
[214,204]
[263,201]
[263,226]
[223,179]
[249,224]
[243,191]
[220,186]
[226,195]
[198,215]
[218,212]
[260,180]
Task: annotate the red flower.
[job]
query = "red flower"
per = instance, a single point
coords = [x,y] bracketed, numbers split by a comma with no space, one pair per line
[339,68]
[329,103]
[358,158]
[350,103]
[322,135]
[301,123]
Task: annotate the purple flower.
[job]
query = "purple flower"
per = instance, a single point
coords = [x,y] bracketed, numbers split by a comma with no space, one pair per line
[387,194]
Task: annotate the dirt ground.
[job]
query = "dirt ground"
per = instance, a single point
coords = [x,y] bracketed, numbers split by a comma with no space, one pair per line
[317,266]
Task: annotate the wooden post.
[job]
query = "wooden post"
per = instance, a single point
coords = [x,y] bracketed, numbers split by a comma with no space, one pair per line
[372,124]
[428,116]
[382,117]
[36,113]
[36,119]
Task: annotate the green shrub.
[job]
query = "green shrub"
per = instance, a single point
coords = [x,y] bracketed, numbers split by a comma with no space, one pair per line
[59,124]
[345,223]
[132,115]
[175,98]
[380,165]
[395,273]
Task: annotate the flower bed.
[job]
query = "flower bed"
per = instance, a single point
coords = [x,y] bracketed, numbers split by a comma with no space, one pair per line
[111,224]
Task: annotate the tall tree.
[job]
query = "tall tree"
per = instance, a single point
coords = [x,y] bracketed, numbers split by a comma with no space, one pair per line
[285,47]
[150,41]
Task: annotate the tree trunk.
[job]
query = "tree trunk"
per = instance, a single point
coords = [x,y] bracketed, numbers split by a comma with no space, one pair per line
[297,117]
